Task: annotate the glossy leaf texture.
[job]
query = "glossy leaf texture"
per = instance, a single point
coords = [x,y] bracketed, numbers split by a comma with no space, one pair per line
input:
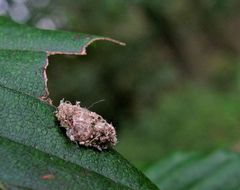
[216,171]
[35,153]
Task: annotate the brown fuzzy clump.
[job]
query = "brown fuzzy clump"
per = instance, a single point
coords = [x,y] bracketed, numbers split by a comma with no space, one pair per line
[85,127]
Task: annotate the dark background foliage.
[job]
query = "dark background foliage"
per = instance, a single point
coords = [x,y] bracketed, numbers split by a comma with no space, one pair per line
[175,86]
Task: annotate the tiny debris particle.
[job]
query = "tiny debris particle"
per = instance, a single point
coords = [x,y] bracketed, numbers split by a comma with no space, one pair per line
[85,127]
[47,176]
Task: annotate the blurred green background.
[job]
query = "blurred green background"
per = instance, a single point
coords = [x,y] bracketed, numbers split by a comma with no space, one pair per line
[176,84]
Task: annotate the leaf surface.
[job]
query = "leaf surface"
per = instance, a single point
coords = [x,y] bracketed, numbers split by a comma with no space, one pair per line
[216,171]
[36,152]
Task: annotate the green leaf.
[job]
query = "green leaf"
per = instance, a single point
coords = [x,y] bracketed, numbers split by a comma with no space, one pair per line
[35,153]
[216,171]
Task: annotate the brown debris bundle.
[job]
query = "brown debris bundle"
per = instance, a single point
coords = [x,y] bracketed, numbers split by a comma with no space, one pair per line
[85,127]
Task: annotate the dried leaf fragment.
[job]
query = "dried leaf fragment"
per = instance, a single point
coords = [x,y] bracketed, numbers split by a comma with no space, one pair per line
[85,127]
[47,176]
